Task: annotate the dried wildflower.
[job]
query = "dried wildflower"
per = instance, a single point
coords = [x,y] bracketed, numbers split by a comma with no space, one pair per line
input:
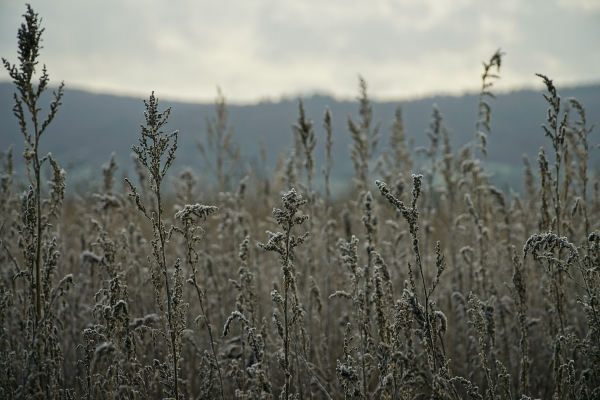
[484,110]
[328,146]
[364,139]
[305,134]
[221,155]
[30,37]
[283,243]
[194,212]
[156,146]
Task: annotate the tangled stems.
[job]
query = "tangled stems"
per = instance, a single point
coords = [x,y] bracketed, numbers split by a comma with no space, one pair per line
[189,216]
[411,215]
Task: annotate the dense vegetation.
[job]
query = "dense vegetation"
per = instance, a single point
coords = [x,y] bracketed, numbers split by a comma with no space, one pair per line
[432,285]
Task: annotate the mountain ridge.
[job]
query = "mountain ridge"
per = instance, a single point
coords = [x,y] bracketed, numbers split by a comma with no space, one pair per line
[90,126]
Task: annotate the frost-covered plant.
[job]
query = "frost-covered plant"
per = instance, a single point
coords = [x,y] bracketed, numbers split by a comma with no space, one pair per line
[156,153]
[27,107]
[41,354]
[284,243]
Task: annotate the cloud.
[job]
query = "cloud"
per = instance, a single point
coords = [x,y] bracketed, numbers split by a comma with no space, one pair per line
[265,48]
[585,5]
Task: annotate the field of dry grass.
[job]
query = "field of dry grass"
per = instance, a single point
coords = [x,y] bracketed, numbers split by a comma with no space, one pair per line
[428,285]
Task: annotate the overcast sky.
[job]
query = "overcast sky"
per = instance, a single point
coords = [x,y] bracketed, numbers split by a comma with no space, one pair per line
[266,49]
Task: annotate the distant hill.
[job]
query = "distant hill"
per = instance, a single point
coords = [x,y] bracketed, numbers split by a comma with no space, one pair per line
[89,127]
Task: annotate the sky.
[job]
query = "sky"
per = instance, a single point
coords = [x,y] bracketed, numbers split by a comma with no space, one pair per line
[258,50]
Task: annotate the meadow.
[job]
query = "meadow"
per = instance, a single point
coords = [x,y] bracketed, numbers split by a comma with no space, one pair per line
[424,281]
